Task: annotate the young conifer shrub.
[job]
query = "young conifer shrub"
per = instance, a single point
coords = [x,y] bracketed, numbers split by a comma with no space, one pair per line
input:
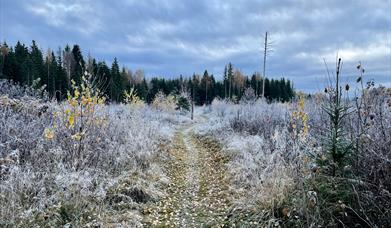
[338,148]
[183,104]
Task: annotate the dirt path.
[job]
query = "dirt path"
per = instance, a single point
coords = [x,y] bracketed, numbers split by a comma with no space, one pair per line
[198,195]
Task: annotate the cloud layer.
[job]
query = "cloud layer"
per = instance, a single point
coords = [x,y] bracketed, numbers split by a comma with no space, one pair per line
[172,37]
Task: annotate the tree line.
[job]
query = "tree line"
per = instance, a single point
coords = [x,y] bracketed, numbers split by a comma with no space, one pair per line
[57,69]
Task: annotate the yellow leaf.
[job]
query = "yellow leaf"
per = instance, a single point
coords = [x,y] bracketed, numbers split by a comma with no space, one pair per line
[49,133]
[71,120]
[77,93]
[76,136]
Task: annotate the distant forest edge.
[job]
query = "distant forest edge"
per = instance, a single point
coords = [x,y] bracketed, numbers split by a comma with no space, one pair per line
[25,65]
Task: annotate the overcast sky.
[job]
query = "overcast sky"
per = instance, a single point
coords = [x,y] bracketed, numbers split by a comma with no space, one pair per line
[172,37]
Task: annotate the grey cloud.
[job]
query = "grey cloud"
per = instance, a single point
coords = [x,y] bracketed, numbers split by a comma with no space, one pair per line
[172,37]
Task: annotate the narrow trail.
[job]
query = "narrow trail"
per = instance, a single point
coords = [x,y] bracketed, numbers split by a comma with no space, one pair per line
[198,195]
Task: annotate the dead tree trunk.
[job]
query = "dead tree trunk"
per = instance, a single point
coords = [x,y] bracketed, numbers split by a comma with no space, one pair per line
[264,65]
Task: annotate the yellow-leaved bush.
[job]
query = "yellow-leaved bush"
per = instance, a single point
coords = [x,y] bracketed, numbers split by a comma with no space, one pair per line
[299,119]
[79,121]
[83,102]
[131,98]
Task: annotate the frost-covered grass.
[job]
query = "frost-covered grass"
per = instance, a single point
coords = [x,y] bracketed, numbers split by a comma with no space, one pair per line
[257,139]
[83,163]
[276,150]
[51,180]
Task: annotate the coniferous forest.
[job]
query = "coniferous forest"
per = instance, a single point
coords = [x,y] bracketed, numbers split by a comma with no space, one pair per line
[55,69]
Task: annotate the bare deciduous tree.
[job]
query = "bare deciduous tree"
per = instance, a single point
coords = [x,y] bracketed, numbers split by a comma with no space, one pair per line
[68,63]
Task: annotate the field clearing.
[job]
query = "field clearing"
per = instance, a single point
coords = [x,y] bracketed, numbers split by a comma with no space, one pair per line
[248,164]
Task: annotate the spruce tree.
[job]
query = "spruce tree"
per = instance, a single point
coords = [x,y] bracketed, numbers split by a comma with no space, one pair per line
[61,78]
[230,77]
[225,81]
[37,65]
[79,64]
[142,89]
[22,63]
[205,83]
[10,66]
[212,91]
[283,90]
[116,82]
[103,78]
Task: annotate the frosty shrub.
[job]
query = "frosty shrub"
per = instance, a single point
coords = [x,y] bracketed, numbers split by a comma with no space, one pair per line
[257,118]
[13,90]
[259,138]
[78,125]
[249,96]
[76,161]
[132,99]
[282,158]
[321,160]
[165,103]
[220,107]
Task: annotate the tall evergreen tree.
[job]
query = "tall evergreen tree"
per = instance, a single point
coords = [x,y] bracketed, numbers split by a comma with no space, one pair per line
[61,81]
[225,80]
[37,65]
[283,90]
[79,64]
[205,83]
[142,89]
[267,88]
[116,82]
[22,62]
[10,65]
[230,77]
[103,77]
[212,92]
